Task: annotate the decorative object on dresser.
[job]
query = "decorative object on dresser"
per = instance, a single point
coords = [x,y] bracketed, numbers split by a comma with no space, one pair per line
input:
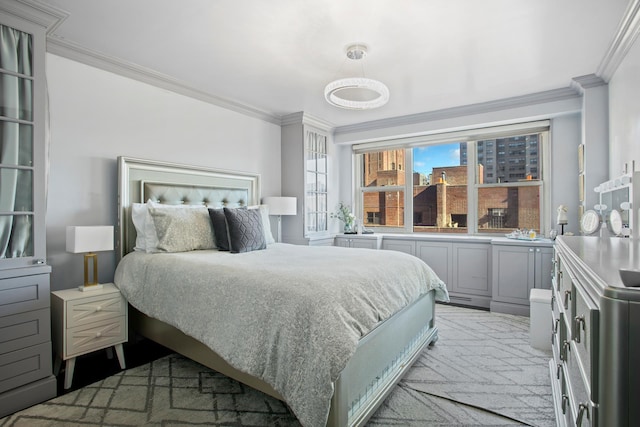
[281,206]
[595,318]
[562,218]
[86,322]
[89,240]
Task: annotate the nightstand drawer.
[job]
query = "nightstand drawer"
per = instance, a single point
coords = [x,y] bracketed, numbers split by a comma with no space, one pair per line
[24,330]
[94,309]
[95,336]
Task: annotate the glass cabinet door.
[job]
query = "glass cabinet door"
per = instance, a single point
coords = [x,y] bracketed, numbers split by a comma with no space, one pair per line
[16,144]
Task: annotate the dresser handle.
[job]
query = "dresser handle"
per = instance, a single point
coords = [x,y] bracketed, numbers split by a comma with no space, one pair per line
[579,320]
[563,353]
[582,409]
[558,371]
[559,279]
[553,301]
[567,298]
[565,399]
[554,331]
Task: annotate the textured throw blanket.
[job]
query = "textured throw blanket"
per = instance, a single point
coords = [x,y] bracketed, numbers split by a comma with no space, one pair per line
[289,315]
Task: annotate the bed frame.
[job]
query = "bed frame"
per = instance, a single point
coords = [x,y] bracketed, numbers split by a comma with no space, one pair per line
[382,356]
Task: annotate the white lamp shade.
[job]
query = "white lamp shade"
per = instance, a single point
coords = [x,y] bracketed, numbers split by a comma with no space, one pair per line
[82,239]
[281,205]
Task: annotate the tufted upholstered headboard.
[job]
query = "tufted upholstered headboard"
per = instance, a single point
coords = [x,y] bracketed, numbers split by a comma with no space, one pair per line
[170,183]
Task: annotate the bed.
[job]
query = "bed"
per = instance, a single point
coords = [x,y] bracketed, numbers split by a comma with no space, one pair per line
[327,330]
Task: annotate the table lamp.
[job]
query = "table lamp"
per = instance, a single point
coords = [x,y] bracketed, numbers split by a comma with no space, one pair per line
[281,206]
[89,240]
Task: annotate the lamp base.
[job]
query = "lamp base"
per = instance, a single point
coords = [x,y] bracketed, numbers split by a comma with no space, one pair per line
[89,288]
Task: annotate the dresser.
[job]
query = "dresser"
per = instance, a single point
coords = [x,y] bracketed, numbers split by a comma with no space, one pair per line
[595,327]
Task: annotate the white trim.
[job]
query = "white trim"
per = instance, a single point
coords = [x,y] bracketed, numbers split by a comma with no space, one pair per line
[477,133]
[624,38]
[76,52]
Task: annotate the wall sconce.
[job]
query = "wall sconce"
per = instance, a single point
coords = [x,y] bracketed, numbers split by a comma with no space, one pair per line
[281,206]
[89,240]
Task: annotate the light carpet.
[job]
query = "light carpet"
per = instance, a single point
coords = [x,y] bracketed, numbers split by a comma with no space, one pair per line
[481,372]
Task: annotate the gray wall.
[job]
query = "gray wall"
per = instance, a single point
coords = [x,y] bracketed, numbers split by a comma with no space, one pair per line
[96,116]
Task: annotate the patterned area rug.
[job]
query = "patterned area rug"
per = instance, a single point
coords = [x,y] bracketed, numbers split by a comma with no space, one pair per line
[481,372]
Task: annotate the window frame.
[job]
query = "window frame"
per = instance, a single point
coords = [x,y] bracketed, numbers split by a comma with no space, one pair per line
[471,137]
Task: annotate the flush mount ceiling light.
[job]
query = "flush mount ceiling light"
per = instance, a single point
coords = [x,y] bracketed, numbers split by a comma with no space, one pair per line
[356,93]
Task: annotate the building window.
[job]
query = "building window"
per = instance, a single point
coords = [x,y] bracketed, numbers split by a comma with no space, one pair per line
[454,188]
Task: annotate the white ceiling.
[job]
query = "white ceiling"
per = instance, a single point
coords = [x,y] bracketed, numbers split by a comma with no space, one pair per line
[277,56]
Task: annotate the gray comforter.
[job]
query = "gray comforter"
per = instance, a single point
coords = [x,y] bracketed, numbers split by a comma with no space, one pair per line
[289,315]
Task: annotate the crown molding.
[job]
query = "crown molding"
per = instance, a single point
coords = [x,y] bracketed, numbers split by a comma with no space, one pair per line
[301,117]
[579,84]
[626,35]
[465,110]
[76,52]
[35,12]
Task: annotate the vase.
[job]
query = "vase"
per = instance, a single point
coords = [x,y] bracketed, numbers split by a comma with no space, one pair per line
[349,228]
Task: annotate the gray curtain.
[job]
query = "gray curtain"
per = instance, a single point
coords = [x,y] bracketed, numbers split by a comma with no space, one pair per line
[16,142]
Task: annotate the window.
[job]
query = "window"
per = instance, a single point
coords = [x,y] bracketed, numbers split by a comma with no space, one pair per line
[315,183]
[456,187]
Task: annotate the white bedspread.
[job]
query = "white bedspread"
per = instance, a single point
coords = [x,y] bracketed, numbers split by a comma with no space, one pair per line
[290,315]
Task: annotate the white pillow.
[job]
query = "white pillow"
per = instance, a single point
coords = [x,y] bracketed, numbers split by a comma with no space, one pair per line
[266,223]
[139,218]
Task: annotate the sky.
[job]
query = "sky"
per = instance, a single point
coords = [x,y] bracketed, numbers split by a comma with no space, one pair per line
[426,158]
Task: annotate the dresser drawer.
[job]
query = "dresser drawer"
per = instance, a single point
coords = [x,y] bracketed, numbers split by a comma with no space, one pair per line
[23,366]
[95,336]
[18,294]
[585,337]
[94,309]
[578,388]
[24,330]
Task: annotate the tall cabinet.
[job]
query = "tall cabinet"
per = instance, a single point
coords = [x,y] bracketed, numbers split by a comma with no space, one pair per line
[25,330]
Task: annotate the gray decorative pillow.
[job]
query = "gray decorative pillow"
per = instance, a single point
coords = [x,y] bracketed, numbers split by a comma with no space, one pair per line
[181,230]
[245,230]
[219,224]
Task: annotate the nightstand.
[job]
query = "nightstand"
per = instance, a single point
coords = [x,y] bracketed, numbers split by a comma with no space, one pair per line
[83,322]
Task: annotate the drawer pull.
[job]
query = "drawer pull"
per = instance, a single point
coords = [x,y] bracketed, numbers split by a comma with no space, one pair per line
[565,399]
[579,320]
[99,308]
[582,409]
[559,279]
[98,334]
[554,331]
[567,298]
[558,371]
[553,301]
[563,353]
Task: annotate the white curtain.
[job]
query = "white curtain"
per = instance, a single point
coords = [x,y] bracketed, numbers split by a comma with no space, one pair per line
[16,142]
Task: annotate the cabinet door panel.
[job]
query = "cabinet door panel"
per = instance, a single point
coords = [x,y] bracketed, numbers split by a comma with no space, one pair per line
[438,255]
[513,273]
[406,246]
[471,272]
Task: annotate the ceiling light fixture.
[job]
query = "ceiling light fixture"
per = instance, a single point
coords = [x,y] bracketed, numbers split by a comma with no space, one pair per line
[356,93]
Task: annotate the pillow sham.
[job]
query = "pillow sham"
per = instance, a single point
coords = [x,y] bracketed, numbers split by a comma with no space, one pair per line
[245,230]
[182,230]
[139,217]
